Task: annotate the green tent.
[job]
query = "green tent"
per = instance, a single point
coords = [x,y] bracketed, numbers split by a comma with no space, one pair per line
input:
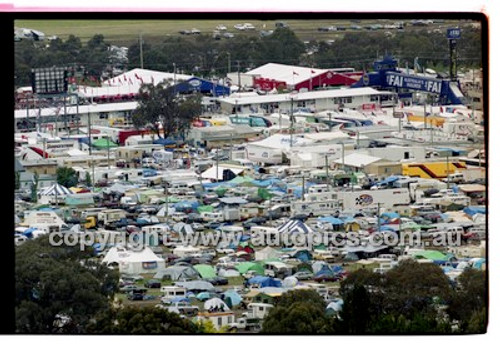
[244,267]
[104,143]
[205,209]
[433,255]
[205,271]
[264,193]
[220,191]
[241,180]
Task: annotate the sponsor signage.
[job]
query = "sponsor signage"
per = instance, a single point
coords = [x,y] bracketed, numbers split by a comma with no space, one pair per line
[413,82]
[453,33]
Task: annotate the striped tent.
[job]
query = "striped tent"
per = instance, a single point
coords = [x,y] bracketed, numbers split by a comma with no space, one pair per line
[294,226]
[56,189]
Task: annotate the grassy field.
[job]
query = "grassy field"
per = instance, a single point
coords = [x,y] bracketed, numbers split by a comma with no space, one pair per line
[124,32]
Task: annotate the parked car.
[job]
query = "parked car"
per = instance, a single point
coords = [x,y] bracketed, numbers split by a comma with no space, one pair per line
[303,275]
[183,308]
[135,296]
[221,27]
[153,284]
[128,288]
[326,278]
[218,281]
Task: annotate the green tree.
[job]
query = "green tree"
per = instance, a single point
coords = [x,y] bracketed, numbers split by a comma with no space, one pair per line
[59,289]
[298,312]
[413,287]
[159,107]
[34,188]
[282,46]
[88,179]
[17,182]
[355,316]
[469,301]
[134,320]
[67,176]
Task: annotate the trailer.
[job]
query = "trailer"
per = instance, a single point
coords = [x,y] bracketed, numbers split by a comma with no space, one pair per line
[370,198]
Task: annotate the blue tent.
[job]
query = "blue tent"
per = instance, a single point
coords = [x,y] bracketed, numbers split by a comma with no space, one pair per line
[202,296]
[389,215]
[325,269]
[332,220]
[244,238]
[348,220]
[389,180]
[265,281]
[473,210]
[303,255]
[234,296]
[29,232]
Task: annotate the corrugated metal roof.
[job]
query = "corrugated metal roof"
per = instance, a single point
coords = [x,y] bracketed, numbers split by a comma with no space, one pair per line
[275,98]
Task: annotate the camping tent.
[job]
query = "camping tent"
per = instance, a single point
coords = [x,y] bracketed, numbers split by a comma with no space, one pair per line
[234,296]
[244,267]
[290,282]
[303,255]
[134,262]
[205,271]
[266,253]
[433,255]
[54,190]
[294,226]
[215,303]
[196,285]
[178,273]
[265,281]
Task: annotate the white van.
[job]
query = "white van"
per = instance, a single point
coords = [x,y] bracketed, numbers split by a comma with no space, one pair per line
[170,292]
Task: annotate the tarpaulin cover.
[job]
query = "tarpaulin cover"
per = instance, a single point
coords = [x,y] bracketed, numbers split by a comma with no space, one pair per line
[265,281]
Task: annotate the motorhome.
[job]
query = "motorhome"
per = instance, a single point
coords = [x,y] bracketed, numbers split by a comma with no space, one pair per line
[212,217]
[171,292]
[312,208]
[111,215]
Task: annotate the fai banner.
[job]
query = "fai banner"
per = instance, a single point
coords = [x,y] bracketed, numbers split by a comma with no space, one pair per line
[413,82]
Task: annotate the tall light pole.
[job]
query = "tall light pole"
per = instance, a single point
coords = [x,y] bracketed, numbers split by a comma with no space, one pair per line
[291,123]
[447,169]
[140,50]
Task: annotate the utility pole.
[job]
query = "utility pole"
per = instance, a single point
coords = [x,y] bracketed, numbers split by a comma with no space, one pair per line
[425,117]
[90,132]
[239,78]
[343,156]
[107,142]
[303,186]
[291,125]
[166,203]
[378,216]
[217,164]
[140,50]
[447,170]
[326,165]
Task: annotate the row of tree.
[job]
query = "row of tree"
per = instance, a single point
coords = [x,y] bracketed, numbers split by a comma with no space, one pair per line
[412,298]
[62,290]
[202,55]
